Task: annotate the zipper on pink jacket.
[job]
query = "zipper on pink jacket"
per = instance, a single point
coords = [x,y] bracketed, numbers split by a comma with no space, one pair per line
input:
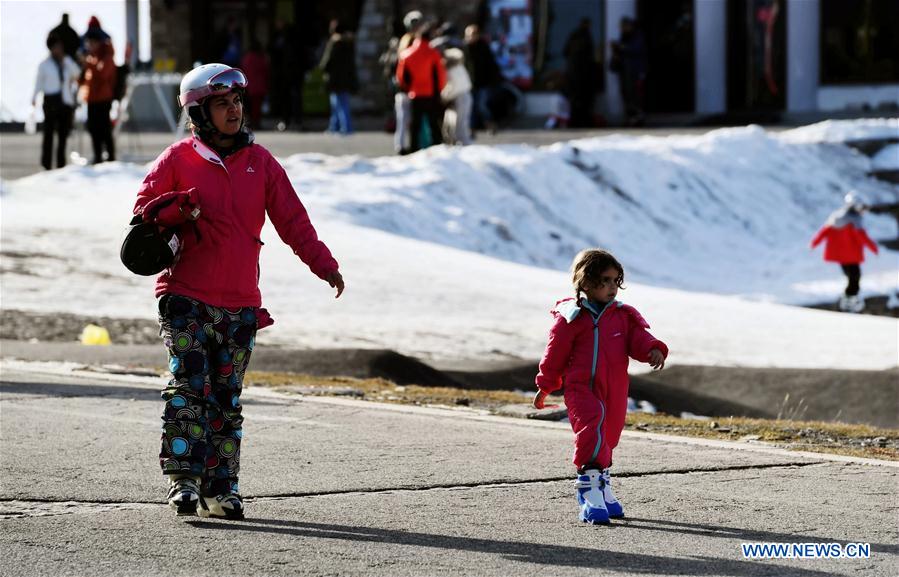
[602,418]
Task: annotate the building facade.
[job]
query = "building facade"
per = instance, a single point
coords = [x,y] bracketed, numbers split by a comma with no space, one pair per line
[738,58]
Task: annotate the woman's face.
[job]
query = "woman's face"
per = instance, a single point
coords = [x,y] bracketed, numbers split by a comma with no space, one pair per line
[226,112]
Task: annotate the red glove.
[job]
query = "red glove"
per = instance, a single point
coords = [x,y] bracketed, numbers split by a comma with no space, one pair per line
[263,319]
[173,208]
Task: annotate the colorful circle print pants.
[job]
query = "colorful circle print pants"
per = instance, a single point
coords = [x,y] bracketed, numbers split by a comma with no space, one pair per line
[209,348]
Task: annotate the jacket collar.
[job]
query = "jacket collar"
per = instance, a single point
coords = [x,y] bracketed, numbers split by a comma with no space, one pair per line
[569,309]
[206,152]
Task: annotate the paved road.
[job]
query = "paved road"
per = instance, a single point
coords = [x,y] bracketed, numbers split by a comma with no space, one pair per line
[340,487]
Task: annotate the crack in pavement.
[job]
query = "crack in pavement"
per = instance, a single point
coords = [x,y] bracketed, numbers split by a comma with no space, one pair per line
[25,508]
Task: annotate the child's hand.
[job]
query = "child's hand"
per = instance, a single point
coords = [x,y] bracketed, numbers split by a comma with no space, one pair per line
[656,359]
[539,400]
[336,281]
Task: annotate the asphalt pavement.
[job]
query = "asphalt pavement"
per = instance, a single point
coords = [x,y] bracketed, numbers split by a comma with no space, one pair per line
[344,487]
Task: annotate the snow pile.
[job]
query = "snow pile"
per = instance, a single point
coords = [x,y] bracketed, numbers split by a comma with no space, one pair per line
[886,159]
[845,131]
[730,212]
[716,213]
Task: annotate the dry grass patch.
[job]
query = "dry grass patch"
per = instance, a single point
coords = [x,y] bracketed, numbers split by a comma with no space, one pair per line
[838,438]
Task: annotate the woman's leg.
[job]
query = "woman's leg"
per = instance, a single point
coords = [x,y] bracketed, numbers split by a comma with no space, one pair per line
[235,329]
[185,447]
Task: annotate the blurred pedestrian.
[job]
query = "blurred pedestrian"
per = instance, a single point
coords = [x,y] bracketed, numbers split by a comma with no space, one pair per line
[57,81]
[339,66]
[286,76]
[486,77]
[402,105]
[457,97]
[255,66]
[421,74]
[628,61]
[845,241]
[228,45]
[71,42]
[98,86]
[581,75]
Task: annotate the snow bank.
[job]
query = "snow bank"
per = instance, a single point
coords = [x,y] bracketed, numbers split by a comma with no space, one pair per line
[729,212]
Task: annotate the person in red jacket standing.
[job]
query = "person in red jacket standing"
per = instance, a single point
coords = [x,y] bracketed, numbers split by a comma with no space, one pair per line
[99,89]
[592,338]
[846,240]
[421,74]
[217,186]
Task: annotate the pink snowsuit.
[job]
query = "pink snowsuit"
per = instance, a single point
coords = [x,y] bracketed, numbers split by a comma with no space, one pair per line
[588,353]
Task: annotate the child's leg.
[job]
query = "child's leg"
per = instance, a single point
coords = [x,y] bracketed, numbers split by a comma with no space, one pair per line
[853,274]
[587,415]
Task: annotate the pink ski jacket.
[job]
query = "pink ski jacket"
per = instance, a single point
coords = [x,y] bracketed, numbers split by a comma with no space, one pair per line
[219,261]
[589,355]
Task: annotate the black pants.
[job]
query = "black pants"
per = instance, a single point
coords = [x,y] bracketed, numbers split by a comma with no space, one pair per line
[58,121]
[100,127]
[430,110]
[853,274]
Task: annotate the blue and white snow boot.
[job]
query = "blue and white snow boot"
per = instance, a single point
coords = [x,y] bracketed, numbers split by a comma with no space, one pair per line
[616,511]
[590,497]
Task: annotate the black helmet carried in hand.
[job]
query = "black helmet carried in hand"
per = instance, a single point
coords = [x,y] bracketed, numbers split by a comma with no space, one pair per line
[146,250]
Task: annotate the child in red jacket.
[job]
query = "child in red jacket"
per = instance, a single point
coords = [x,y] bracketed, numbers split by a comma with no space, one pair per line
[846,241]
[589,344]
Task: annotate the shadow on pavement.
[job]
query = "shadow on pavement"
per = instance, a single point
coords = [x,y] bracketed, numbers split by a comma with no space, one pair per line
[97,390]
[558,555]
[745,535]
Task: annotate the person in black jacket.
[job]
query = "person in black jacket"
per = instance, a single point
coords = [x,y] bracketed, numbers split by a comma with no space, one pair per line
[580,75]
[486,77]
[71,42]
[339,65]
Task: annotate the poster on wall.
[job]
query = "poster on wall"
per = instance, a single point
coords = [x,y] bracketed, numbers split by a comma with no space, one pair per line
[511,28]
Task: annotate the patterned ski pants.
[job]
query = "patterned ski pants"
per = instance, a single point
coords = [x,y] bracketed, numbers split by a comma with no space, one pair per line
[209,348]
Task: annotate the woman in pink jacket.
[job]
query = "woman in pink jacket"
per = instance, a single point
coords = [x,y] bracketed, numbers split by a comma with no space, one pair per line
[845,241]
[589,344]
[217,186]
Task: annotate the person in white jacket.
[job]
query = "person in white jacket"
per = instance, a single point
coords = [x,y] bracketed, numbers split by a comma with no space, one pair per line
[57,80]
[457,96]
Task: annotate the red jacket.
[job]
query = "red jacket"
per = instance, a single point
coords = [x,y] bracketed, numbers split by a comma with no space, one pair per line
[845,244]
[100,75]
[580,347]
[220,265]
[255,66]
[420,68]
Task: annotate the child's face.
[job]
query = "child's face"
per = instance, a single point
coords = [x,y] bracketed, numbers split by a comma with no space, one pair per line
[606,289]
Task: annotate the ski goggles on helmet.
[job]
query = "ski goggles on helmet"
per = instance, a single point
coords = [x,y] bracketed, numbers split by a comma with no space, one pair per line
[222,83]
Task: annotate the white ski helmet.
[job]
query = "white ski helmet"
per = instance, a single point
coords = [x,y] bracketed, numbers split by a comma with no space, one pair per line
[854,201]
[412,20]
[209,79]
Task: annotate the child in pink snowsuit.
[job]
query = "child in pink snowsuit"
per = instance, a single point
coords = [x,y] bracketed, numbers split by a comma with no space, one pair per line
[589,344]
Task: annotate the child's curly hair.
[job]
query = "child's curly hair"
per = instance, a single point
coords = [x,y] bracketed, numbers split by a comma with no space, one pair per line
[588,266]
